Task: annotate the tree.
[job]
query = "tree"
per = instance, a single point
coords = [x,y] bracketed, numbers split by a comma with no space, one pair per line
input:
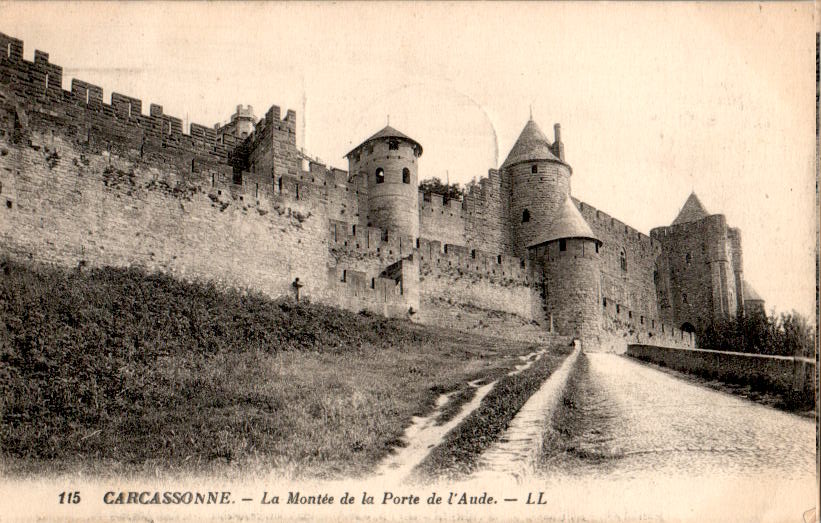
[789,334]
[435,185]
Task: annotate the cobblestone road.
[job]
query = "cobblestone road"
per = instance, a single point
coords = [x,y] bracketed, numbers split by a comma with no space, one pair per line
[649,446]
[647,420]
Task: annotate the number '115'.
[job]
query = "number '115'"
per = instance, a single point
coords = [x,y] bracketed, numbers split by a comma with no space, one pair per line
[69,497]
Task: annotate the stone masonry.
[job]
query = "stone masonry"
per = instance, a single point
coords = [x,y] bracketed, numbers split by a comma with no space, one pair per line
[85,182]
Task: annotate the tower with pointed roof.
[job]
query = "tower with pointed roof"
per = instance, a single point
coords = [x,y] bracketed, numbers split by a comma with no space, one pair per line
[567,254]
[539,183]
[388,161]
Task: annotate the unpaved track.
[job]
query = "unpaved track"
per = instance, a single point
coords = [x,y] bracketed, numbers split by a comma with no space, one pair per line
[514,455]
[424,434]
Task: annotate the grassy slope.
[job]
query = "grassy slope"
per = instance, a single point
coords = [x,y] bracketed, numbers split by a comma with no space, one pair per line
[118,371]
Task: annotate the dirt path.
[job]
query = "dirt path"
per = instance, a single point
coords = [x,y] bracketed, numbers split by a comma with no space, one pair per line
[424,433]
[516,452]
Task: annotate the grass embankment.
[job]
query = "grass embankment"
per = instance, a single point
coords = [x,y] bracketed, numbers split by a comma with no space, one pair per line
[115,371]
[457,456]
[579,424]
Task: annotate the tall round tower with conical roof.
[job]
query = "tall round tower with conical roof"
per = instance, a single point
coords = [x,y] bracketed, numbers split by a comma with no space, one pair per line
[539,183]
[388,160]
[568,253]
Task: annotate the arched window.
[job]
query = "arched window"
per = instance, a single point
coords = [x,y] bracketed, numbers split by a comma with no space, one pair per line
[525,216]
[684,297]
[405,175]
[380,175]
[623,260]
[534,168]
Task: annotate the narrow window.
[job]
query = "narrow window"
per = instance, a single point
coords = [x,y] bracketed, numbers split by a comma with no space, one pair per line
[192,165]
[684,297]
[562,245]
[212,179]
[641,320]
[279,184]
[296,191]
[618,308]
[534,168]
[604,302]
[238,177]
[353,230]
[393,145]
[687,258]
[46,81]
[597,246]
[405,175]
[525,216]
[256,190]
[380,175]
[499,258]
[623,260]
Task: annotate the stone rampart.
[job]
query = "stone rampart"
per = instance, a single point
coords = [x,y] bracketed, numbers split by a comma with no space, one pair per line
[626,279]
[787,375]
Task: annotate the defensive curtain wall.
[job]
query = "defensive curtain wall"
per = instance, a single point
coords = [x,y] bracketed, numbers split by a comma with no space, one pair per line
[85,182]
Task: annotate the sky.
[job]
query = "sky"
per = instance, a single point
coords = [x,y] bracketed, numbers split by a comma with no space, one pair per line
[654,100]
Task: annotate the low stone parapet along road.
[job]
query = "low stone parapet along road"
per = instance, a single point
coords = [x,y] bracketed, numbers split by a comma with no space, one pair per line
[517,450]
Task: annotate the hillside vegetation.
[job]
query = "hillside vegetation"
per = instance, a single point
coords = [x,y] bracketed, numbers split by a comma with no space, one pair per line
[120,371]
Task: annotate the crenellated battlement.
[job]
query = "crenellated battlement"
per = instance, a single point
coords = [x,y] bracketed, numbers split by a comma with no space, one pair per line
[85,179]
[600,219]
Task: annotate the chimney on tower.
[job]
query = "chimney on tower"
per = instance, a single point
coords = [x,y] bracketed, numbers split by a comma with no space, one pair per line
[558,146]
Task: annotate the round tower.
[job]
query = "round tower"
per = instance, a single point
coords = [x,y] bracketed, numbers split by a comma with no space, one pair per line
[568,253]
[539,183]
[388,160]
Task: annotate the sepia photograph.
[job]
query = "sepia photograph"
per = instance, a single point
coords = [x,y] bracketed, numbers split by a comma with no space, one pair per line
[409,261]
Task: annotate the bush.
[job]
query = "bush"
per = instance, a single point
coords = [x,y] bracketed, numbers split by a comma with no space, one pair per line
[789,334]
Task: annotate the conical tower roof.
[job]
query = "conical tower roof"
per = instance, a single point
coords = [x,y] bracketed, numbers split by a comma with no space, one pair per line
[531,145]
[568,223]
[749,292]
[692,211]
[388,132]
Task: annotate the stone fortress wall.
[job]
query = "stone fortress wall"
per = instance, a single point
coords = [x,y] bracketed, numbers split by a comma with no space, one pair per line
[84,182]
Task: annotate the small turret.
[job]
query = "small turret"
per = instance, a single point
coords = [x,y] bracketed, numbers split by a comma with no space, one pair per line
[539,183]
[388,160]
[568,253]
